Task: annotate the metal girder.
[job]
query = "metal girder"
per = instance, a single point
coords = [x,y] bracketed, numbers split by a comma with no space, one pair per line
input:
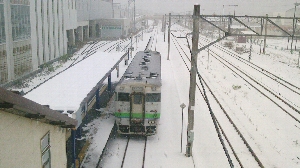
[245,25]
[278,26]
[213,24]
[212,43]
[243,20]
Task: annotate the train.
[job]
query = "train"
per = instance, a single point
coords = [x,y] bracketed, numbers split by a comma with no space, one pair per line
[138,95]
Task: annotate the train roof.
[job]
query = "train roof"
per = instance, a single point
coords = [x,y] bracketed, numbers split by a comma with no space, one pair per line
[144,68]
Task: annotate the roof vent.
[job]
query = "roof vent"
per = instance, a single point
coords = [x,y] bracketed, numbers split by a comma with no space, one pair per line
[153,75]
[128,75]
[146,59]
[143,63]
[145,68]
[139,77]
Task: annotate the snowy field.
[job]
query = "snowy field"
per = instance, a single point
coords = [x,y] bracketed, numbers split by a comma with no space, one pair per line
[272,134]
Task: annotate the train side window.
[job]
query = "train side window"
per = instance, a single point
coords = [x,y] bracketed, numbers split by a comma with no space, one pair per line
[138,99]
[153,97]
[123,97]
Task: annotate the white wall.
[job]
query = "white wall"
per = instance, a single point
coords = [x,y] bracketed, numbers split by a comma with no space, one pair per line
[48,33]
[20,142]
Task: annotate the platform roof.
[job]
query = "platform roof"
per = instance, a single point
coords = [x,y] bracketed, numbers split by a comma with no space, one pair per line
[67,90]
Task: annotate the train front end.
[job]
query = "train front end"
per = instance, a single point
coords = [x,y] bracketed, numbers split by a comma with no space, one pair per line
[137,109]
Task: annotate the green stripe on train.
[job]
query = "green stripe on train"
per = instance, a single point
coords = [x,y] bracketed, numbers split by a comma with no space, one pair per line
[137,115]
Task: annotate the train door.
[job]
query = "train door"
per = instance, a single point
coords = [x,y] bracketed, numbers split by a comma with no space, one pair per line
[137,112]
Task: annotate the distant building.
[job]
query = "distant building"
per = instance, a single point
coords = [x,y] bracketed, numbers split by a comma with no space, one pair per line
[34,32]
[102,19]
[290,13]
[32,135]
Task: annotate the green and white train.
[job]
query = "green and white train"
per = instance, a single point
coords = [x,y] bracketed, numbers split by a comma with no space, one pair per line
[138,95]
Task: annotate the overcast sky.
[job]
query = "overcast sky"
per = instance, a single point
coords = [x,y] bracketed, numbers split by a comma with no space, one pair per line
[245,7]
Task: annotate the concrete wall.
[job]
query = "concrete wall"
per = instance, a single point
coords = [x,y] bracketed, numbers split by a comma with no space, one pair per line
[97,25]
[50,19]
[21,142]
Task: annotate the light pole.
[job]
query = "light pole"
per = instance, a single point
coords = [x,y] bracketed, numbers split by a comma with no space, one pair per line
[182,107]
[294,25]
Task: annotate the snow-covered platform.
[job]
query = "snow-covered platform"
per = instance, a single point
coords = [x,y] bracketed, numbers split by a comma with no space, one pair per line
[66,91]
[100,130]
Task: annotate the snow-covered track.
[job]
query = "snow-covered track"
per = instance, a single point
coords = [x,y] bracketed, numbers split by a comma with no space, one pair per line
[134,154]
[281,103]
[243,145]
[263,71]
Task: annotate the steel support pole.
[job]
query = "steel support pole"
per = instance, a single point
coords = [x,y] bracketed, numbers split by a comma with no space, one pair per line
[265,39]
[191,107]
[134,15]
[97,99]
[131,46]
[165,20]
[109,83]
[169,35]
[73,134]
[250,48]
[293,30]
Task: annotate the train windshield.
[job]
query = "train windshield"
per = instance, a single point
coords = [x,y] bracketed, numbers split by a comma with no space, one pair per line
[138,99]
[152,97]
[123,97]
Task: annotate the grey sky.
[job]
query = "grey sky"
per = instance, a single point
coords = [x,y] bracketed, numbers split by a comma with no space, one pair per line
[245,7]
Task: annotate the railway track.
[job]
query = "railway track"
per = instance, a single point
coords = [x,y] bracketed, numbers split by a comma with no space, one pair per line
[134,155]
[272,89]
[124,152]
[243,146]
[285,89]
[288,105]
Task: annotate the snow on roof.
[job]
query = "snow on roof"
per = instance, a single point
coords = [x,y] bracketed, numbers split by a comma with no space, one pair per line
[67,90]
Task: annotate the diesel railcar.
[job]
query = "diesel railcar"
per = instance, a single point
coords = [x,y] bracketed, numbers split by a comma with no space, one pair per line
[138,95]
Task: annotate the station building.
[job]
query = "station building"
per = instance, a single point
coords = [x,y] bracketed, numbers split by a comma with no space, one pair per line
[32,135]
[32,33]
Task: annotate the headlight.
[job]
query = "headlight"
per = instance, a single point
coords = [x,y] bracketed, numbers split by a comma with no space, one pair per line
[151,121]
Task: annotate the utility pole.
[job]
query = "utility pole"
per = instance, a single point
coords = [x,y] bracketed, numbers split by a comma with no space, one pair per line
[250,49]
[113,10]
[133,15]
[294,26]
[162,23]
[191,107]
[265,39]
[208,58]
[182,107]
[165,22]
[169,38]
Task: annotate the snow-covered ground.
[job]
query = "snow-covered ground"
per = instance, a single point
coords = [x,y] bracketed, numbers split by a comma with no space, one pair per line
[272,134]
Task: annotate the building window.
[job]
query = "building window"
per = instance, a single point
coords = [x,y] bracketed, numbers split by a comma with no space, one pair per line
[45,150]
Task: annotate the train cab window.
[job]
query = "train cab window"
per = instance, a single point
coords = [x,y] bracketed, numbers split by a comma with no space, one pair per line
[138,99]
[123,97]
[152,97]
